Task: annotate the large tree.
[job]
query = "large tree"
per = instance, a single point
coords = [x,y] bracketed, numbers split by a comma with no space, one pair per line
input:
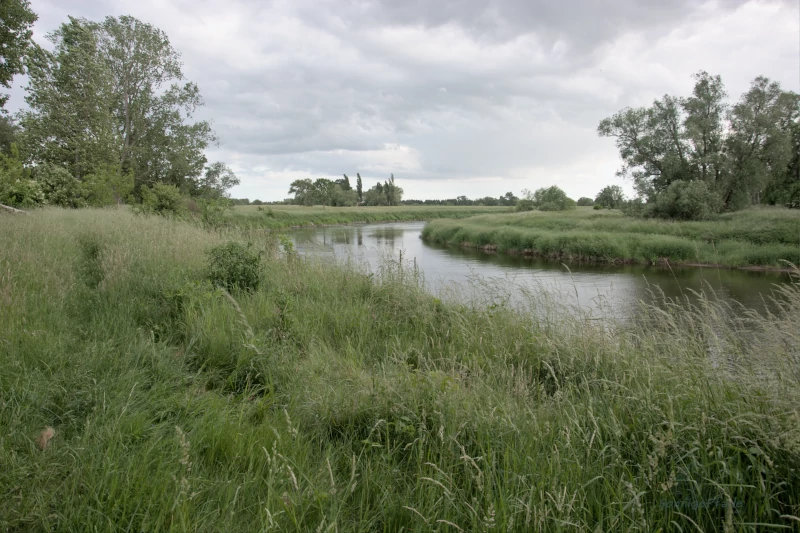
[70,94]
[16,19]
[739,153]
[113,92]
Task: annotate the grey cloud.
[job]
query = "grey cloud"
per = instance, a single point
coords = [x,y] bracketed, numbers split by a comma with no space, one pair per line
[431,90]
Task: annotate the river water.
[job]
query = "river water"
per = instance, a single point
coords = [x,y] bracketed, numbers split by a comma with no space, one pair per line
[477,276]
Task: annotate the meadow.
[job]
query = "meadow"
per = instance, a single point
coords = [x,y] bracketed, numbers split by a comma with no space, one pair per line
[292,216]
[329,399]
[759,237]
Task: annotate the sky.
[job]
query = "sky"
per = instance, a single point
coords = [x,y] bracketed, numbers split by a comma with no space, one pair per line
[466,97]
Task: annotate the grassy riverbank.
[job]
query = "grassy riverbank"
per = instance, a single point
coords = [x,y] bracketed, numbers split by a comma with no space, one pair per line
[330,400]
[756,237]
[288,216]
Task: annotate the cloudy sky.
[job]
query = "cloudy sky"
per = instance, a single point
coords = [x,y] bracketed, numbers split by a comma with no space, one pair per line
[473,97]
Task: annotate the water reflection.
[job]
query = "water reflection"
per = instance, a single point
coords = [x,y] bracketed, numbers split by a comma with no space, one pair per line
[474,275]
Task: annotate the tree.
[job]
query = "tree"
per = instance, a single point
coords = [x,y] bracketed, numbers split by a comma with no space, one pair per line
[744,154]
[545,199]
[610,197]
[16,19]
[8,134]
[584,201]
[217,181]
[71,120]
[705,110]
[344,183]
[760,144]
[386,193]
[109,94]
[303,191]
[359,188]
[685,200]
[508,199]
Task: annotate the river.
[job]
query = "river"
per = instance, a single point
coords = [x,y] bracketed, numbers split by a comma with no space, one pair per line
[477,276]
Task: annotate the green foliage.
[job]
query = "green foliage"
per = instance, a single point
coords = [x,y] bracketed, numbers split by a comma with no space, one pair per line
[217,180]
[685,201]
[107,185]
[525,204]
[213,211]
[16,21]
[597,207]
[111,95]
[163,200]
[59,186]
[235,266]
[584,201]
[610,197]
[545,199]
[745,154]
[17,189]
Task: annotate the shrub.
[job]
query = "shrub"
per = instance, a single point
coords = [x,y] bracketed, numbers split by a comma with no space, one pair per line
[597,207]
[212,210]
[548,199]
[235,266]
[163,199]
[525,205]
[58,186]
[685,200]
[16,186]
[107,185]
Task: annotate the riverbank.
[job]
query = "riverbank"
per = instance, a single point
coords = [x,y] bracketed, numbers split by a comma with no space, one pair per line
[761,239]
[335,401]
[291,216]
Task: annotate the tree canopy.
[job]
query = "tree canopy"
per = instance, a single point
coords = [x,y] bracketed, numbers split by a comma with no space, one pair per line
[745,153]
[16,19]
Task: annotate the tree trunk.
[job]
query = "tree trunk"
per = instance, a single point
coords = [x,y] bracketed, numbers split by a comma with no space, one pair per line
[13,210]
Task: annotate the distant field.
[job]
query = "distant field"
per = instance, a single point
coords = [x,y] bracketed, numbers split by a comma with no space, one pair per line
[287,216]
[761,237]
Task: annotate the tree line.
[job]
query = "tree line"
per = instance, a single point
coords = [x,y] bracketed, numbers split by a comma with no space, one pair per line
[110,118]
[340,193]
[691,157]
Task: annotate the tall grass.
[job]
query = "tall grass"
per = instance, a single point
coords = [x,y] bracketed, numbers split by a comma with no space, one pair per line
[334,400]
[756,237]
[279,217]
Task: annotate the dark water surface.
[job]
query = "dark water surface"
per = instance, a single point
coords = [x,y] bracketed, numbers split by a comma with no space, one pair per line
[450,271]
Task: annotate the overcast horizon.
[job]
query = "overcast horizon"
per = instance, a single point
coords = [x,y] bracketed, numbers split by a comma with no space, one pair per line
[473,98]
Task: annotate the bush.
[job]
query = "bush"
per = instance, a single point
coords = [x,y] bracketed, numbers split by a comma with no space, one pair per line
[235,266]
[597,207]
[525,205]
[549,199]
[59,186]
[17,189]
[685,200]
[163,199]
[584,201]
[107,185]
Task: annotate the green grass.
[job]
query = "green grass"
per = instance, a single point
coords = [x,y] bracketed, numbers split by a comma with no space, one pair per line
[764,237]
[289,216]
[334,400]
